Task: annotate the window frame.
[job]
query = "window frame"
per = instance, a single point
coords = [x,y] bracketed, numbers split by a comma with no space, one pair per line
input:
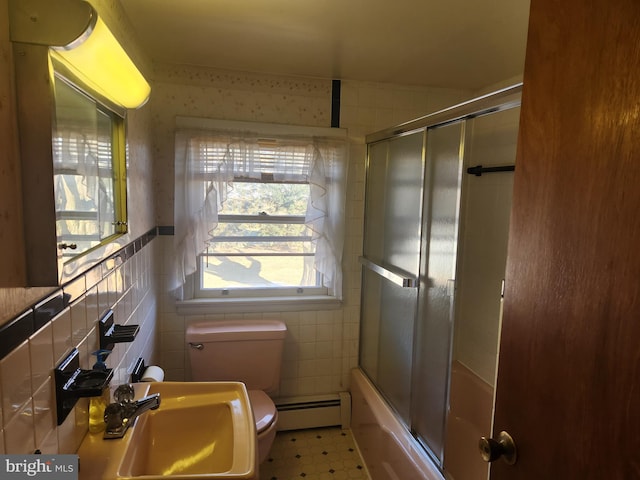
[181,280]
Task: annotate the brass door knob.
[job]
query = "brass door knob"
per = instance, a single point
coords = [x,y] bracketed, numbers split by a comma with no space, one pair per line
[504,447]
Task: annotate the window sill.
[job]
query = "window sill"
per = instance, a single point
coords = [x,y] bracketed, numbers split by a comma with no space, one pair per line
[203,306]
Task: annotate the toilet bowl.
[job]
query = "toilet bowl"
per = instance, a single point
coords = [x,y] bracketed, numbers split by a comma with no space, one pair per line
[266,418]
[249,351]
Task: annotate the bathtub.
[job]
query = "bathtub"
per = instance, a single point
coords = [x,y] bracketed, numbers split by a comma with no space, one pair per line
[387,448]
[469,419]
[391,453]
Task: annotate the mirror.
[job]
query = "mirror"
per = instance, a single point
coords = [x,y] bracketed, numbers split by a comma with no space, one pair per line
[88,184]
[73,170]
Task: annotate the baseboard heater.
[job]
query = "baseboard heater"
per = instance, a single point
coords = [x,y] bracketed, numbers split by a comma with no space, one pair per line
[312,412]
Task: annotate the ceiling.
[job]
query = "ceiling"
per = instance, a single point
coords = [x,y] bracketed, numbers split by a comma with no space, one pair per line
[448,43]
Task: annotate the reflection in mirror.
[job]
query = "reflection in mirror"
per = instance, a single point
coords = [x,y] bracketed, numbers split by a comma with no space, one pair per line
[86,167]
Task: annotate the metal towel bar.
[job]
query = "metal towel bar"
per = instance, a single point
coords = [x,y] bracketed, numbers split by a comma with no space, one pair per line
[478,170]
[399,278]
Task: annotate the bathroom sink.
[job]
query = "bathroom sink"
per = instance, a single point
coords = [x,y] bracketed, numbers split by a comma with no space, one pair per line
[202,430]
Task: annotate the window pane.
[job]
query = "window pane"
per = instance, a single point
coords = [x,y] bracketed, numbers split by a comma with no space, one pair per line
[253,198]
[269,252]
[261,230]
[261,240]
[265,248]
[257,271]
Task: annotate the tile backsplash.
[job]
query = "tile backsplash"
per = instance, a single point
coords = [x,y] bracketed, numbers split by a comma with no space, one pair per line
[33,342]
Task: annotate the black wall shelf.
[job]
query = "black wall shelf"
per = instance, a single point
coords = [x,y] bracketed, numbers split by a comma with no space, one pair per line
[110,333]
[72,383]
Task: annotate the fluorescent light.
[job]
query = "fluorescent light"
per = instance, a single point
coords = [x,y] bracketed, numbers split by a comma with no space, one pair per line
[81,41]
[104,66]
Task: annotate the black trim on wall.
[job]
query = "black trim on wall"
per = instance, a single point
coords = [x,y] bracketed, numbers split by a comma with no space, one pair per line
[20,328]
[45,310]
[335,103]
[166,230]
[15,332]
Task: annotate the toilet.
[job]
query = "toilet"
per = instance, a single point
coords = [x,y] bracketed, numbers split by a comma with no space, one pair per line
[248,351]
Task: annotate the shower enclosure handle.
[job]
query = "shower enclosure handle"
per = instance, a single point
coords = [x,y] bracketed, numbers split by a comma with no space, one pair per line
[399,278]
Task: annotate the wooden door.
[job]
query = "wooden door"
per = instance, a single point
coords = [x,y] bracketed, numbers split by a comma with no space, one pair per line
[568,387]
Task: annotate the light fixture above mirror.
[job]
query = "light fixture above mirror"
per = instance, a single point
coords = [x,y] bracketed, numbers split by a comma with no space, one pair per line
[82,42]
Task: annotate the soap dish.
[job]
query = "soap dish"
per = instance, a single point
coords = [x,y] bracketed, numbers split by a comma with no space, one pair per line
[111,333]
[72,383]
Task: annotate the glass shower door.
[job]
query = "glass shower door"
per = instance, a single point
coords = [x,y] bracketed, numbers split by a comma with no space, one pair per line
[391,259]
[434,327]
[421,273]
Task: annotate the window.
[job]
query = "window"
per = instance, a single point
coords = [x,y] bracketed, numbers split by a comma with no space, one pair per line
[261,214]
[261,241]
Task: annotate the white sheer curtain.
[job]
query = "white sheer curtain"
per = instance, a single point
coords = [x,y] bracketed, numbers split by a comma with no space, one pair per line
[206,164]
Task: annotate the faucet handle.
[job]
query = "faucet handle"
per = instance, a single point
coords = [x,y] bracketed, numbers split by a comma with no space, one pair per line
[124,393]
[114,416]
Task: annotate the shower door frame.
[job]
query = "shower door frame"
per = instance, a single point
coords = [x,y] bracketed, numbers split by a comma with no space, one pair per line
[500,100]
[503,99]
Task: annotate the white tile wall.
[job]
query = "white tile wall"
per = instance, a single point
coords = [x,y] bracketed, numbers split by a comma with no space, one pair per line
[27,391]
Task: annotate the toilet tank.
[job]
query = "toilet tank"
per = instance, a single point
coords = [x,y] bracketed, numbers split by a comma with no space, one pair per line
[248,351]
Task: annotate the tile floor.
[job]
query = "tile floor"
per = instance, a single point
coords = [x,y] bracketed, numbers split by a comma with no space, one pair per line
[315,454]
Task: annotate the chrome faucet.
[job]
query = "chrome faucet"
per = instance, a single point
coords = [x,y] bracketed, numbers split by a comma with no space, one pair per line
[122,414]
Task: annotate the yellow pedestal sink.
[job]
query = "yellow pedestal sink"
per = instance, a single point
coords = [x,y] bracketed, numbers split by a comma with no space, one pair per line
[202,430]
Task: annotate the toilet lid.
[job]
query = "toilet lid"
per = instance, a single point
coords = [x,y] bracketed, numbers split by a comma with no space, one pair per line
[264,409]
